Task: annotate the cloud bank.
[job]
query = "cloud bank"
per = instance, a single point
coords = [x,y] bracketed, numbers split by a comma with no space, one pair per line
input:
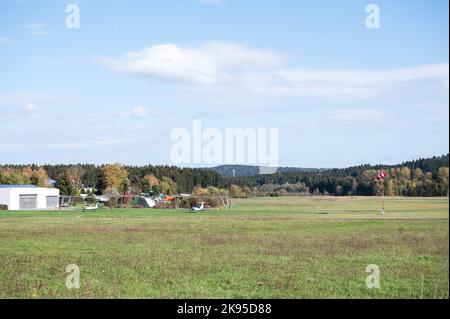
[232,65]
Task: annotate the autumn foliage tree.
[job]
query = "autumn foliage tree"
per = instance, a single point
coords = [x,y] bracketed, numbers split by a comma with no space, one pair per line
[40,178]
[167,185]
[152,182]
[12,176]
[75,174]
[236,191]
[116,176]
[200,191]
[24,175]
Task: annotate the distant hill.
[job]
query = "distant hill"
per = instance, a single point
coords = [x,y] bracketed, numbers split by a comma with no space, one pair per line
[427,164]
[248,170]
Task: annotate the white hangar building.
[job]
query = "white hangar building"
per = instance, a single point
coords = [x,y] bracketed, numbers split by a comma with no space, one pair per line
[28,197]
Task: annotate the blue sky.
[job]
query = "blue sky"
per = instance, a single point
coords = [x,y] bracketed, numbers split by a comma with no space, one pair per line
[339,93]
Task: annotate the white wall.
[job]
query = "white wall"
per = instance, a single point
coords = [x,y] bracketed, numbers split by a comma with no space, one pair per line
[15,192]
[4,196]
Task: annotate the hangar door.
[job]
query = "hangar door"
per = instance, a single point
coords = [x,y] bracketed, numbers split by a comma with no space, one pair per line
[28,202]
[52,201]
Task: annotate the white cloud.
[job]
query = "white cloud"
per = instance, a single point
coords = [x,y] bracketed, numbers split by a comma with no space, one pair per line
[30,108]
[37,29]
[5,40]
[139,112]
[229,55]
[352,115]
[213,63]
[339,83]
[262,72]
[367,77]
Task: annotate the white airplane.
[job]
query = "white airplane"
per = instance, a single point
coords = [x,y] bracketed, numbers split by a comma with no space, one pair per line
[91,208]
[197,207]
[150,202]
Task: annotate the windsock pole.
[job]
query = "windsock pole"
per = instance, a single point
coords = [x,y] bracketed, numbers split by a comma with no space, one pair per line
[379,178]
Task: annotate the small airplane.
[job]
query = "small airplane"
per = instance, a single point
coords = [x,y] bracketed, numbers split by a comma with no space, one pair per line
[90,208]
[198,207]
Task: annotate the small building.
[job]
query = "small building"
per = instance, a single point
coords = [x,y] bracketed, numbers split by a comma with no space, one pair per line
[28,197]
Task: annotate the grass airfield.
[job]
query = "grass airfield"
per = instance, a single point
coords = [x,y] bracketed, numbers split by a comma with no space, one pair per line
[282,247]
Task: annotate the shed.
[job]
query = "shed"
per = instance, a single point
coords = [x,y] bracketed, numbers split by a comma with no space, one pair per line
[28,197]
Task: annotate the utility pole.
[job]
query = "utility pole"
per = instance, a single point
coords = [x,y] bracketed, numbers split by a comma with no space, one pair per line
[233,174]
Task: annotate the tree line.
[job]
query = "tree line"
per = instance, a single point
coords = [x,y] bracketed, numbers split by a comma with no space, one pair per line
[423,177]
[112,179]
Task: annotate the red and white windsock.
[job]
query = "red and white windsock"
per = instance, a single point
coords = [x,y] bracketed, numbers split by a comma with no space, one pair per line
[381,175]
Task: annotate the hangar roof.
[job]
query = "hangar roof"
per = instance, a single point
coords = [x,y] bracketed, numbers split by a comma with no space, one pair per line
[17,186]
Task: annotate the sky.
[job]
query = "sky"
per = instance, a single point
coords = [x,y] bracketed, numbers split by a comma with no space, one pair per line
[113,90]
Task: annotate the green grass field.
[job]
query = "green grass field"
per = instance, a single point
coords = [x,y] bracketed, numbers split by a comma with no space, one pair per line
[292,247]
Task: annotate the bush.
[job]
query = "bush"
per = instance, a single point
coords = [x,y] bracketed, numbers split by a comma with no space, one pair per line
[236,192]
[212,201]
[200,191]
[3,207]
[187,202]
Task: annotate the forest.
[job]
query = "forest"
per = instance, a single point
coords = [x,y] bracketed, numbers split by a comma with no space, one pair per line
[422,177]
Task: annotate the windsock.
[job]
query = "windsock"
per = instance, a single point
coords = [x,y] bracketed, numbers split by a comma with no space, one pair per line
[381,175]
